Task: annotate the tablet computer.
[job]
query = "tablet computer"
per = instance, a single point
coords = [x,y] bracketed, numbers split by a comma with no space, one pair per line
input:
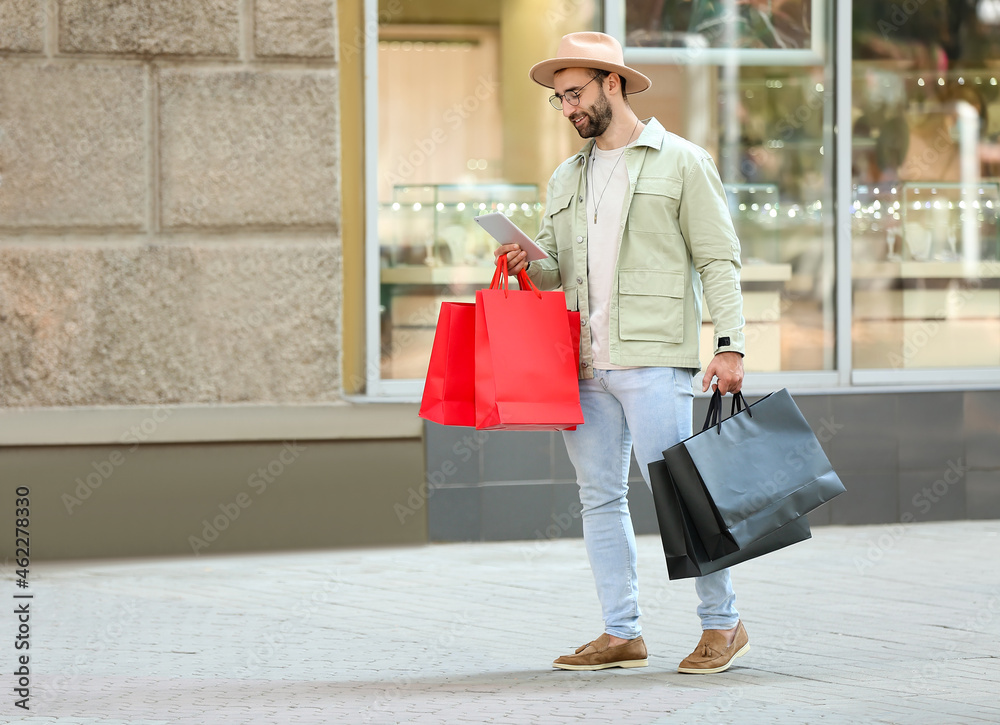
[506,232]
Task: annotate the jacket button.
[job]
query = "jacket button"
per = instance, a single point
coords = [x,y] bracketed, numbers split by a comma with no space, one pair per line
[579,280]
[579,240]
[583,365]
[583,321]
[579,199]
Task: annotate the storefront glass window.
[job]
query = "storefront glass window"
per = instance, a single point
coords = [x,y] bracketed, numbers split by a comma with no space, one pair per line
[926,180]
[461,132]
[767,121]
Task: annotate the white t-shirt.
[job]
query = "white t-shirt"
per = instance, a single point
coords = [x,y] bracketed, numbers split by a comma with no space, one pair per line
[607,185]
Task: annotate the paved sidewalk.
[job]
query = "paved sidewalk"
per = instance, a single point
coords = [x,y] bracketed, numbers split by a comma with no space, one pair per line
[884,624]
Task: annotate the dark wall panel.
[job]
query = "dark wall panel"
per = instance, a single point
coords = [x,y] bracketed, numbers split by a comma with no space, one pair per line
[902,456]
[105,501]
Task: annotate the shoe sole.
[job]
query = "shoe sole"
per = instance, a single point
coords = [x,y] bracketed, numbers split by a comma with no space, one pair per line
[713,670]
[624,663]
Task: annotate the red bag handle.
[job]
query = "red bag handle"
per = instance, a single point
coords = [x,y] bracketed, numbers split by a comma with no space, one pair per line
[500,279]
[500,275]
[526,284]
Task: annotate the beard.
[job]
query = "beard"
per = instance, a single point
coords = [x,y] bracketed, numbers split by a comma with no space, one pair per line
[598,117]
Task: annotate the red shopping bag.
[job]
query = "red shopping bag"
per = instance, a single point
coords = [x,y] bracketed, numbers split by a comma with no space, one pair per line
[449,388]
[526,358]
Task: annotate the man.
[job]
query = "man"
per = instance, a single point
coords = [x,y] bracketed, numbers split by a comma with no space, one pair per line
[636,225]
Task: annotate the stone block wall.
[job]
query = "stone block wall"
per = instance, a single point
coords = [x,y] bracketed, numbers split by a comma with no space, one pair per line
[169,202]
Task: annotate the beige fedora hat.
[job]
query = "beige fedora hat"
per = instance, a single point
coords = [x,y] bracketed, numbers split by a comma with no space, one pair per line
[589,50]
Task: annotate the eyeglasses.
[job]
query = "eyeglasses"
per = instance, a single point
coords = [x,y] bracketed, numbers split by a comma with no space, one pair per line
[571,97]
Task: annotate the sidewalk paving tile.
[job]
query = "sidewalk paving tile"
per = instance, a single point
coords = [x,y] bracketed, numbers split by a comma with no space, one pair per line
[877,624]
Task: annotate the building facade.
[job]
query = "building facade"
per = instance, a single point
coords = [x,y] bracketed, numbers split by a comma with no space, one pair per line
[226,227]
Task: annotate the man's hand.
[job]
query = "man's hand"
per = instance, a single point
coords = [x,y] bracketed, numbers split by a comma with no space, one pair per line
[516,258]
[728,368]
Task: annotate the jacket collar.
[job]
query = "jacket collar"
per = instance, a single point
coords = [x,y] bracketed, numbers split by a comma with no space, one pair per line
[652,135]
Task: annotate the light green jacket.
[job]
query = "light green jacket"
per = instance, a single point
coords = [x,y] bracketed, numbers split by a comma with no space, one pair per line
[677,242]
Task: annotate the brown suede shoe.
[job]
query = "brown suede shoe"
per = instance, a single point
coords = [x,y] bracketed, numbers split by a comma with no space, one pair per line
[598,655]
[712,655]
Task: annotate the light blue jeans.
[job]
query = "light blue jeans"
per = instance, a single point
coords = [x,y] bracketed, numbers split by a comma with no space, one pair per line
[650,408]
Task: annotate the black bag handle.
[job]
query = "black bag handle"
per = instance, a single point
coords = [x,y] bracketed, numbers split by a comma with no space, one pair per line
[739,405]
[714,416]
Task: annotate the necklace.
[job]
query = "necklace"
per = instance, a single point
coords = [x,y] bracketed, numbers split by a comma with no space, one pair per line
[597,202]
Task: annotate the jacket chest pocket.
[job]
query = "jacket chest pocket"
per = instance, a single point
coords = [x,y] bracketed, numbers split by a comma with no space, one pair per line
[559,211]
[655,204]
[651,305]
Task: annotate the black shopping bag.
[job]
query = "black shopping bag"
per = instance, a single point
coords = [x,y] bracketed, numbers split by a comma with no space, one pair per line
[747,476]
[685,554]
